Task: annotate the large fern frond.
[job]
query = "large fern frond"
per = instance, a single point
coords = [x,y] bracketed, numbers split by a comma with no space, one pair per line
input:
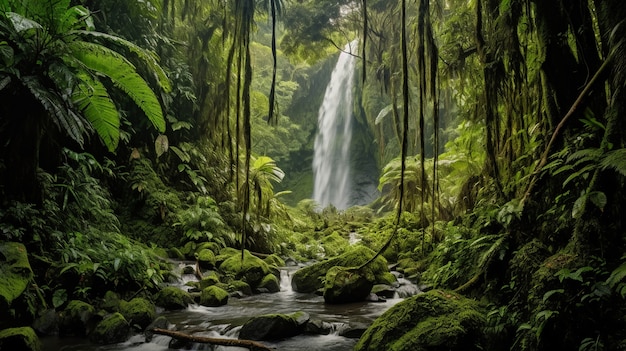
[96,105]
[124,75]
[63,117]
[148,57]
[616,160]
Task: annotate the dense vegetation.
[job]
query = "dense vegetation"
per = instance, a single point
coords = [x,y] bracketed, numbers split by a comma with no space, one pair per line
[135,131]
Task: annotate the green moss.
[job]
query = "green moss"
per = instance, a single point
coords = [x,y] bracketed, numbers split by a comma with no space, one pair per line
[111,302]
[311,278]
[208,279]
[206,258]
[173,298]
[24,339]
[437,320]
[239,285]
[251,270]
[271,283]
[334,244]
[15,272]
[138,311]
[274,260]
[112,329]
[213,296]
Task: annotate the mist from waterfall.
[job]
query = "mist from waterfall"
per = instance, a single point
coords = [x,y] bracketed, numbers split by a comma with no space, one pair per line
[331,159]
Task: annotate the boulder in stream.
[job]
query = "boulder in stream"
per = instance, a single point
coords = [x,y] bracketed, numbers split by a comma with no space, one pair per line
[113,329]
[213,296]
[252,270]
[274,326]
[347,285]
[138,311]
[23,339]
[77,319]
[269,284]
[436,320]
[173,298]
[311,278]
[206,259]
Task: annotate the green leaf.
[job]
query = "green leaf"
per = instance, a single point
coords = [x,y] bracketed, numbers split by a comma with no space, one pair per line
[598,198]
[92,98]
[124,75]
[59,298]
[615,160]
[547,295]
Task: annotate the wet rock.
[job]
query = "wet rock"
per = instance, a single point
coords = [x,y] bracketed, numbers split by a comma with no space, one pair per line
[273,326]
[239,286]
[113,329]
[111,302]
[384,290]
[160,322]
[15,272]
[318,327]
[274,260]
[173,298]
[138,311]
[437,320]
[77,319]
[311,278]
[47,323]
[347,285]
[189,270]
[252,270]
[354,330]
[23,339]
[270,283]
[208,279]
[206,259]
[213,296]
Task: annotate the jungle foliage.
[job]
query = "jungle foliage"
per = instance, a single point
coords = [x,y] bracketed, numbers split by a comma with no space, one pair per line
[132,131]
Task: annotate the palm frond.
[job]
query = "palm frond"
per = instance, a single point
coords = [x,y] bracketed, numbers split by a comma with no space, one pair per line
[123,74]
[148,57]
[93,100]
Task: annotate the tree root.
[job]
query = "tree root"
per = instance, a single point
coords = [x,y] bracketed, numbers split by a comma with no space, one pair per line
[249,344]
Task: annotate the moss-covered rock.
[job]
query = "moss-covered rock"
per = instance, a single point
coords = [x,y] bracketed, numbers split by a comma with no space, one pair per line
[138,311]
[114,328]
[274,260]
[252,270]
[77,319]
[208,279]
[347,285]
[269,284]
[274,326]
[239,285]
[213,296]
[311,278]
[111,302]
[334,244]
[15,272]
[173,298]
[436,320]
[23,339]
[206,259]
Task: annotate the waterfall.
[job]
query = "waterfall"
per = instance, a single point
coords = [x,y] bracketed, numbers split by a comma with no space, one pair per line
[331,159]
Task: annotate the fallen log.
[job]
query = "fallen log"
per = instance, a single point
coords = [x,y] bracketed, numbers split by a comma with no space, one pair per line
[249,344]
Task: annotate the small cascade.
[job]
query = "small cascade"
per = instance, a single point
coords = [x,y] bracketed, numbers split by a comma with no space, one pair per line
[285,281]
[331,159]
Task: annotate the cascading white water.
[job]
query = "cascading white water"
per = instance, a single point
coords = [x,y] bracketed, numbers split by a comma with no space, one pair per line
[331,159]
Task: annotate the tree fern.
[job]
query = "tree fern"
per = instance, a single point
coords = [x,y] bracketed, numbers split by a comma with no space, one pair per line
[123,74]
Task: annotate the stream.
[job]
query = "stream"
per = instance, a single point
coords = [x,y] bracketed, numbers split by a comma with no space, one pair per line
[226,321]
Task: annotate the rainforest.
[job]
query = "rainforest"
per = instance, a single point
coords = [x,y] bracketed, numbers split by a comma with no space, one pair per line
[312,175]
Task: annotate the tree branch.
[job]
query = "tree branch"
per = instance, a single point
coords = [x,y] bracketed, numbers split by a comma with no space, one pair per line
[249,344]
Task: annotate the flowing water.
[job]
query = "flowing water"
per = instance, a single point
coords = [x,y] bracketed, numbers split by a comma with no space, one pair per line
[331,158]
[226,321]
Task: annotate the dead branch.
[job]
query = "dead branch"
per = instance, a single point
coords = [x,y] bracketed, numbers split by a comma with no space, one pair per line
[249,344]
